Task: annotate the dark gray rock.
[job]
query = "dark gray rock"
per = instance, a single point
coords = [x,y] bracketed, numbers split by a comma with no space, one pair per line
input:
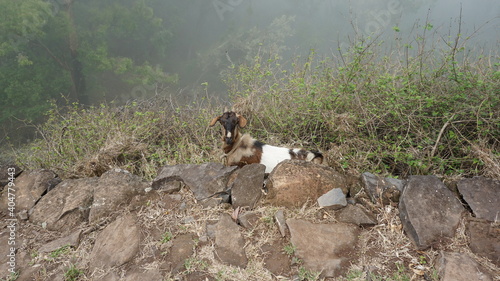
[28,188]
[172,186]
[247,187]
[229,243]
[203,180]
[87,200]
[325,248]
[111,276]
[293,182]
[117,244]
[279,218]
[72,240]
[249,219]
[356,215]
[65,207]
[483,197]
[484,239]
[143,274]
[429,211]
[333,199]
[275,260]
[382,190]
[115,189]
[182,248]
[460,267]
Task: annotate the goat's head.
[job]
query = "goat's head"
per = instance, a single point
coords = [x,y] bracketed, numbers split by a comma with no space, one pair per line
[230,122]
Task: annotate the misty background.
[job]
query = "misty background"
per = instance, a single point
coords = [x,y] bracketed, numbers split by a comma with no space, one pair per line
[89,51]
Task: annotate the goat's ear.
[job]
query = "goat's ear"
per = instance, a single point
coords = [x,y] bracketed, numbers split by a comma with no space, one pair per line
[242,122]
[212,123]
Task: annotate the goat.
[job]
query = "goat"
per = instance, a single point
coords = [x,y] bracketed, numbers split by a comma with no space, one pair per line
[240,150]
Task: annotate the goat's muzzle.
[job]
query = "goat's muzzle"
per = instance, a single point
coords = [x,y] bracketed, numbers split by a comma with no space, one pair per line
[229,140]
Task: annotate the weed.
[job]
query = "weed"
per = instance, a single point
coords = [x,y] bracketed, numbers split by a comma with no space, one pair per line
[60,251]
[167,236]
[13,276]
[307,275]
[72,273]
[355,274]
[289,250]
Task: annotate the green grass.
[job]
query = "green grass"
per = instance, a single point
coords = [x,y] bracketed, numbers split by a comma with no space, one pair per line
[72,273]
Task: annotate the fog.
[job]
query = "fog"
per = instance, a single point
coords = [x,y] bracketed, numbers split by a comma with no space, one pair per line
[212,28]
[92,51]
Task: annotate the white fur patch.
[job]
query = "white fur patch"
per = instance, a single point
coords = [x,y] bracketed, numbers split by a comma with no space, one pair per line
[228,134]
[310,156]
[272,155]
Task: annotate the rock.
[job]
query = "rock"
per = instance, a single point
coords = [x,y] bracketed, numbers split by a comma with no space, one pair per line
[87,200]
[199,276]
[65,207]
[247,187]
[29,187]
[211,229]
[182,249]
[72,240]
[279,218]
[429,211]
[484,239]
[460,267]
[275,260]
[333,199]
[115,189]
[354,184]
[203,180]
[356,215]
[325,248]
[141,274]
[229,243]
[111,276]
[483,197]
[386,190]
[117,244]
[249,219]
[22,215]
[172,186]
[292,183]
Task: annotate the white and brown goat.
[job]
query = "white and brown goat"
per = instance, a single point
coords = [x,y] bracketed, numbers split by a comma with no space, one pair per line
[240,150]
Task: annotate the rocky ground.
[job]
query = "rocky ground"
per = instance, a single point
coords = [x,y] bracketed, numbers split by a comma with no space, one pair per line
[210,222]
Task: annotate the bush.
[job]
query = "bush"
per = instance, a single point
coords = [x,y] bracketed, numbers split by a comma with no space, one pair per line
[398,112]
[139,137]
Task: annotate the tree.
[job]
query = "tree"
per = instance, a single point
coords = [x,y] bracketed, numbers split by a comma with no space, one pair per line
[76,49]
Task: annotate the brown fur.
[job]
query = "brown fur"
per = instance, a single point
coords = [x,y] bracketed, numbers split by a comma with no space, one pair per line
[245,153]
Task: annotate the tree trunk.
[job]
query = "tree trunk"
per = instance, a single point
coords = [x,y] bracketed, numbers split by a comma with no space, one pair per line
[75,66]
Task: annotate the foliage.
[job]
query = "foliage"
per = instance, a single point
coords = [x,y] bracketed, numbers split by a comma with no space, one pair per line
[60,251]
[53,50]
[412,118]
[72,273]
[367,109]
[140,137]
